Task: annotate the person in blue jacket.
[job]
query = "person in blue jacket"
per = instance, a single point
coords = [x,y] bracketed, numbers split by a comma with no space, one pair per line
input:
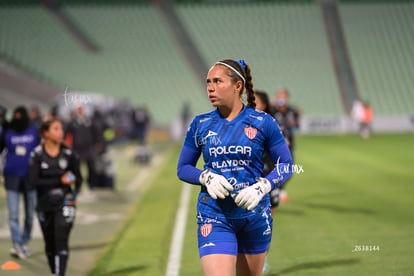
[19,138]
[233,207]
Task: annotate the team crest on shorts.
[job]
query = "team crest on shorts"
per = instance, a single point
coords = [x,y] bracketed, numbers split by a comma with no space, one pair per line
[205,229]
[250,132]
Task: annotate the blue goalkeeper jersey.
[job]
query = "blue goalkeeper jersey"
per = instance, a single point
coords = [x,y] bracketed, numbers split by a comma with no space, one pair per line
[233,149]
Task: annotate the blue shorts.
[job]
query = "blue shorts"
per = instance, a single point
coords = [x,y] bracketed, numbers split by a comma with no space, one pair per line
[251,235]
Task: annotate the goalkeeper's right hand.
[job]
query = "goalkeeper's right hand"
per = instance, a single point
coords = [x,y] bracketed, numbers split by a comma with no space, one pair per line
[217,185]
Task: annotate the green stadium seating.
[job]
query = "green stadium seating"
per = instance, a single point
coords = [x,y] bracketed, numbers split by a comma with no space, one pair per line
[380,40]
[284,44]
[138,61]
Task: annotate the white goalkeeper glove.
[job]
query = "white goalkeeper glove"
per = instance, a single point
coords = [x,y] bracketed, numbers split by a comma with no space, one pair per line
[249,197]
[217,185]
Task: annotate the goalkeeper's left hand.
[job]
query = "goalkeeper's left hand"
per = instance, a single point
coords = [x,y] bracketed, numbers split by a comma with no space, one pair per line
[249,197]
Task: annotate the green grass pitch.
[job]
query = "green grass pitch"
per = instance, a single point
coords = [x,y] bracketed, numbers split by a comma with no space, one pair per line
[350,213]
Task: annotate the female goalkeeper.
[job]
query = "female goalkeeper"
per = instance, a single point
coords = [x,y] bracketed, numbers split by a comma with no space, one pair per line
[233,208]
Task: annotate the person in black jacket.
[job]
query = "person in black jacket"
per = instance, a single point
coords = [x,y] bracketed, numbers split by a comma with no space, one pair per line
[288,118]
[83,140]
[54,172]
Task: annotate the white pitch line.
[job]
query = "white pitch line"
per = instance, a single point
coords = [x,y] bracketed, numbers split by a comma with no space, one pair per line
[174,258]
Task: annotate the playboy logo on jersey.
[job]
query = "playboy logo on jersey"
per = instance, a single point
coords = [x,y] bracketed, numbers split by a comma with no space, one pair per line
[205,229]
[250,132]
[234,163]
